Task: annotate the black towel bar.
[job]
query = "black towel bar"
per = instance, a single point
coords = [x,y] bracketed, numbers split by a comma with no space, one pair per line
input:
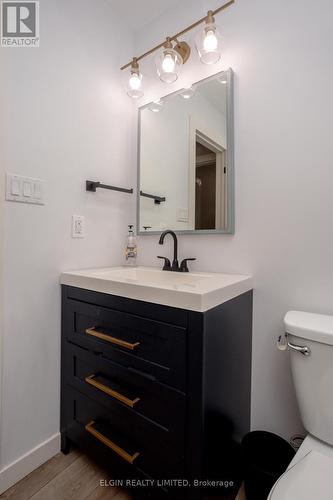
[157,199]
[92,186]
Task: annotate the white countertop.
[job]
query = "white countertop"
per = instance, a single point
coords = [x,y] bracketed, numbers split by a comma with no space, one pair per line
[192,291]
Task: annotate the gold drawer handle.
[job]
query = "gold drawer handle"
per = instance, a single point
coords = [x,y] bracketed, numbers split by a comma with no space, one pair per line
[129,402]
[113,340]
[122,453]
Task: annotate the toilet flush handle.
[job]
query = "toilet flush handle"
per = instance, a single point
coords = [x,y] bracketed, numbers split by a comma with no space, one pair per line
[306,351]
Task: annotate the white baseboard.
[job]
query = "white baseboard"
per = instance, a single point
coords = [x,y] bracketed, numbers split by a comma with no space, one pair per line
[17,470]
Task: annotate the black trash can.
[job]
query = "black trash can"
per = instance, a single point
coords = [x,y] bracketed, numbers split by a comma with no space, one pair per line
[266,456]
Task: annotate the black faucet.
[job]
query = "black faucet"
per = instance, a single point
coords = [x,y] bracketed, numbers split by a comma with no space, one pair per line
[175,265]
[182,268]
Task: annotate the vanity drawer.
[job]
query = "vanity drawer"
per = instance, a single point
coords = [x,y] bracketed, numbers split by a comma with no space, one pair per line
[118,387]
[157,312]
[153,347]
[134,443]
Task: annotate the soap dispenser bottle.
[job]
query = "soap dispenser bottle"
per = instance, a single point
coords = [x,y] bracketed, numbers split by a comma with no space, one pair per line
[131,248]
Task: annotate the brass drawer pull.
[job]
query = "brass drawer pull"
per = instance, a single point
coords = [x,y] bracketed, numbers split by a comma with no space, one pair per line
[113,340]
[129,402]
[122,453]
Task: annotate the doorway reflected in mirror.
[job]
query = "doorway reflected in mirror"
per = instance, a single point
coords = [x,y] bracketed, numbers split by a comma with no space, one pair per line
[210,193]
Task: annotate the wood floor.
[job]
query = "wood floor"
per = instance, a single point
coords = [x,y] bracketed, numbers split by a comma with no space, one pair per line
[65,477]
[69,477]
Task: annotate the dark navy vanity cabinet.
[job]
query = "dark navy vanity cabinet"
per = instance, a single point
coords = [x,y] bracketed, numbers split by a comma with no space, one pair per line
[152,391]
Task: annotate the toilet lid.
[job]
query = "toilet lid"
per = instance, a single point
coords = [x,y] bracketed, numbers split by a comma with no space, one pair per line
[310,478]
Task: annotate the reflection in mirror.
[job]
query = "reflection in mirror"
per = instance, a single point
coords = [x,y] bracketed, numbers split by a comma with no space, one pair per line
[185,160]
[210,196]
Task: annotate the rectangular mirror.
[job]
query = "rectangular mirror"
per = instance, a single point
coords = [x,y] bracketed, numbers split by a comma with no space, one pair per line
[185,160]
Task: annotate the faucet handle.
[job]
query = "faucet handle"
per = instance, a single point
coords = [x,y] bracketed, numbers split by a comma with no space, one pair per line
[183,265]
[167,263]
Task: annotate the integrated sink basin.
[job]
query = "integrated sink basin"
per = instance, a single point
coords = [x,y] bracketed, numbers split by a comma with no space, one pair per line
[192,291]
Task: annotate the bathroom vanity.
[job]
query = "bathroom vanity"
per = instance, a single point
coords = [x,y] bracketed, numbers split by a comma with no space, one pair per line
[156,372]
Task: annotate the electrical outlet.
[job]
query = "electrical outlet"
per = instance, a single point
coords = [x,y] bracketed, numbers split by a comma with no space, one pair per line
[78,226]
[182,214]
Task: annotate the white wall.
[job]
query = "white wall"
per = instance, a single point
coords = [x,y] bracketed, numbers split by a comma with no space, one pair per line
[165,156]
[2,184]
[281,53]
[67,119]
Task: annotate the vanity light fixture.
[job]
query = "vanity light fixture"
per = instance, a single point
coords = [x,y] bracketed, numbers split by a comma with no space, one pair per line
[175,53]
[135,81]
[208,41]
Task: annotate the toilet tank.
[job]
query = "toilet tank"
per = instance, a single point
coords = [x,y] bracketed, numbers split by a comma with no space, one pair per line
[313,373]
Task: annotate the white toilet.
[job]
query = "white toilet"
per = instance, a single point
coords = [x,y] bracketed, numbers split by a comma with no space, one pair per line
[310,474]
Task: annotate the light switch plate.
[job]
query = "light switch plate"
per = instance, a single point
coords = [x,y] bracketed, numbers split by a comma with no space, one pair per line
[24,189]
[78,226]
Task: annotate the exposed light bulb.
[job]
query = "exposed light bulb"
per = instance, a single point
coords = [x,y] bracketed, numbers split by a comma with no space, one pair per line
[134,81]
[168,64]
[210,41]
